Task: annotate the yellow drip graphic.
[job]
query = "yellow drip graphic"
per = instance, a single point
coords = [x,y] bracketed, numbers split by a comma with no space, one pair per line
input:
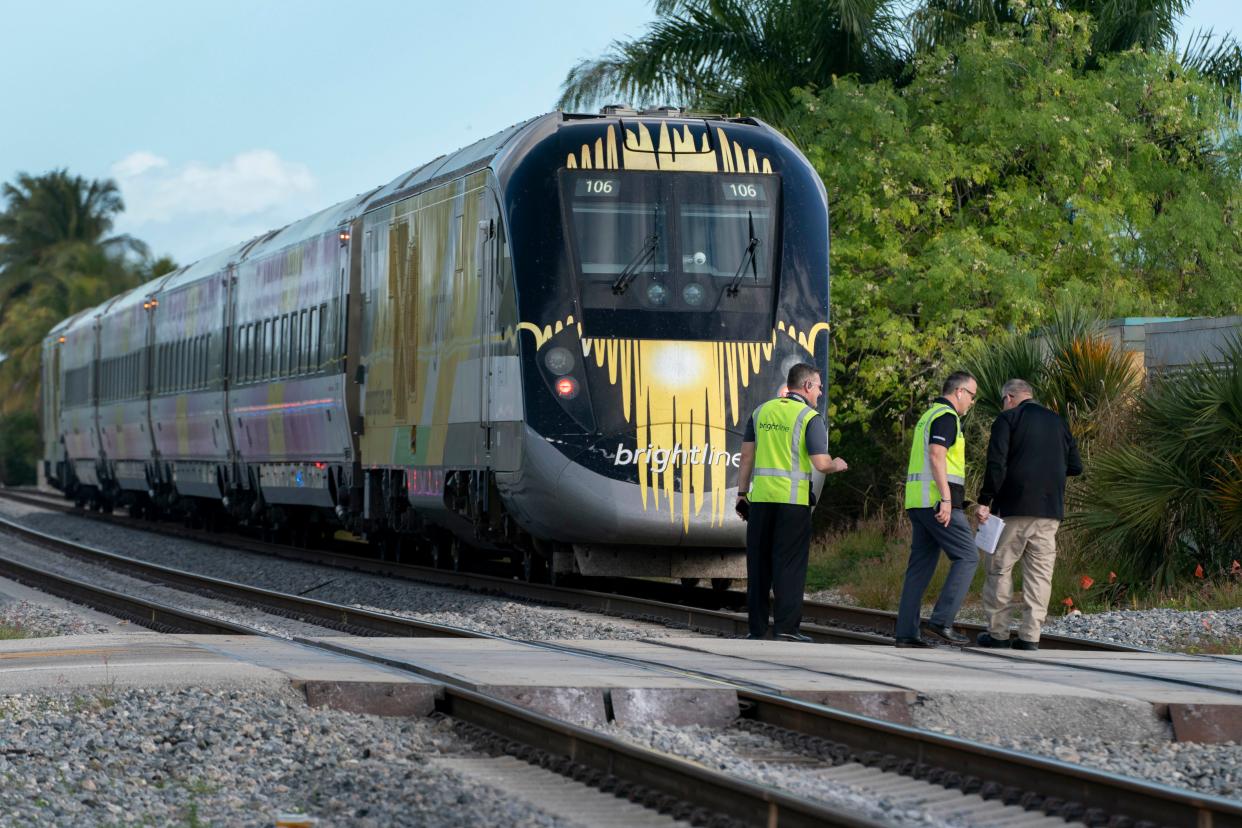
[671,150]
[805,339]
[681,397]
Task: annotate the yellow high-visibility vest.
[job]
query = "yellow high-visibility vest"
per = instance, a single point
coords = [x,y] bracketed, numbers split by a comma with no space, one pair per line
[782,471]
[921,490]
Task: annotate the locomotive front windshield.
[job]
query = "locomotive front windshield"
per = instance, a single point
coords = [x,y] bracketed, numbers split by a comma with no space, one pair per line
[674,242]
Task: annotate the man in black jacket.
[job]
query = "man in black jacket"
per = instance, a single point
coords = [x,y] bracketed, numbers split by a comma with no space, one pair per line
[1029,456]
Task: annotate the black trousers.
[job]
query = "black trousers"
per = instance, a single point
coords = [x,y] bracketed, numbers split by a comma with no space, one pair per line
[778,540]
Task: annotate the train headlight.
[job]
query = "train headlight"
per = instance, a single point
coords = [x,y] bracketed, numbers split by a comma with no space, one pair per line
[693,294]
[657,294]
[566,388]
[559,360]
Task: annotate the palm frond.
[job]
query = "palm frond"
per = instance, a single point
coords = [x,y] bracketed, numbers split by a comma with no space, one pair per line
[742,55]
[1218,59]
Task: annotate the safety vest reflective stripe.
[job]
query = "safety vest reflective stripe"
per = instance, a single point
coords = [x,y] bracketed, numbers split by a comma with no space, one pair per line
[919,477]
[792,475]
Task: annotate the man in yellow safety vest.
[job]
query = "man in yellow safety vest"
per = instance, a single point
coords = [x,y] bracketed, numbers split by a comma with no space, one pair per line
[785,439]
[935,495]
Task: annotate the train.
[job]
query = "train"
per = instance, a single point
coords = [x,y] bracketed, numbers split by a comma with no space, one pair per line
[542,348]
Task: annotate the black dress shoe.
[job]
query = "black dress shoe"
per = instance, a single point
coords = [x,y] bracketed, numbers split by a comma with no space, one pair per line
[806,639]
[947,633]
[1019,644]
[753,637]
[913,642]
[986,640]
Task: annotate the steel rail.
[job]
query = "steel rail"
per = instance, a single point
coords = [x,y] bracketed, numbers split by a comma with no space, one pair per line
[709,610]
[629,606]
[1029,780]
[739,799]
[148,613]
[643,770]
[1074,792]
[336,616]
[877,622]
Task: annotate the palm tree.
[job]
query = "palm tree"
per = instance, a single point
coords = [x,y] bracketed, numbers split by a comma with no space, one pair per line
[47,210]
[44,214]
[57,256]
[743,55]
[1119,26]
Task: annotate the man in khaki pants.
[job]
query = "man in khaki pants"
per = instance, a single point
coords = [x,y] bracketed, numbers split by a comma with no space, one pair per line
[1029,456]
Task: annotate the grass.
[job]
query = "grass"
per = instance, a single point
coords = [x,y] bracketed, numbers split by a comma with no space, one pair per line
[8,631]
[868,563]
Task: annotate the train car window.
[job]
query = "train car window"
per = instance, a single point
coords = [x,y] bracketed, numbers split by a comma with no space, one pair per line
[303,343]
[254,344]
[265,349]
[283,346]
[321,352]
[618,223]
[461,244]
[248,351]
[312,340]
[295,342]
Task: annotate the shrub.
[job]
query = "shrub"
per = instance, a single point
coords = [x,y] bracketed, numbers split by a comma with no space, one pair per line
[1168,502]
[19,448]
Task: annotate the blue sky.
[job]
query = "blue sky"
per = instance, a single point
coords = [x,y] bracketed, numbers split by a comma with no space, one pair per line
[222,120]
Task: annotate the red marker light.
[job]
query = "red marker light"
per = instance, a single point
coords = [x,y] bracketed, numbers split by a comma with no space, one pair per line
[567,388]
[318,465]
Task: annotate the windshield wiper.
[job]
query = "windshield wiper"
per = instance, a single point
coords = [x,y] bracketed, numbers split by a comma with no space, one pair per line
[645,254]
[748,257]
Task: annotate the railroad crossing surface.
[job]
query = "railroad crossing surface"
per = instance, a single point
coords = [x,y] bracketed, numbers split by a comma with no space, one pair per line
[678,681]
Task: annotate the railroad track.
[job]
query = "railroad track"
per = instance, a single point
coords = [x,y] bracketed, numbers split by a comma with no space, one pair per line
[707,610]
[996,783]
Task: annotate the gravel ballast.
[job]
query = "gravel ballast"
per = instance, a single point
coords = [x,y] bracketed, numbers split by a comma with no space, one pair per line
[33,620]
[484,613]
[1170,630]
[232,758]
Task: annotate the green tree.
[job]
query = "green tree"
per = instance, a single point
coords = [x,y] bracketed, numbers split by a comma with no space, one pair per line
[743,56]
[1004,180]
[44,213]
[58,255]
[1142,24]
[1149,25]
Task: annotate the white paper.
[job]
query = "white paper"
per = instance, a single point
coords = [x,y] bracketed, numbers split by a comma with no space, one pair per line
[989,534]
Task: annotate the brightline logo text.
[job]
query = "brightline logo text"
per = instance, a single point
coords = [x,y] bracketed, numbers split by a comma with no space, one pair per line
[659,459]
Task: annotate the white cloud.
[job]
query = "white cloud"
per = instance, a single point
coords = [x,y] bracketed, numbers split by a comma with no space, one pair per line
[137,163]
[192,209]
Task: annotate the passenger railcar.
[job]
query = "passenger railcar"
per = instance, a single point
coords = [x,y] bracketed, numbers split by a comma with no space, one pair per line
[545,346]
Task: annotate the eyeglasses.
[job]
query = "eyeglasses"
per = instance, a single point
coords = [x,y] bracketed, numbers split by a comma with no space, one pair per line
[815,387]
[968,391]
